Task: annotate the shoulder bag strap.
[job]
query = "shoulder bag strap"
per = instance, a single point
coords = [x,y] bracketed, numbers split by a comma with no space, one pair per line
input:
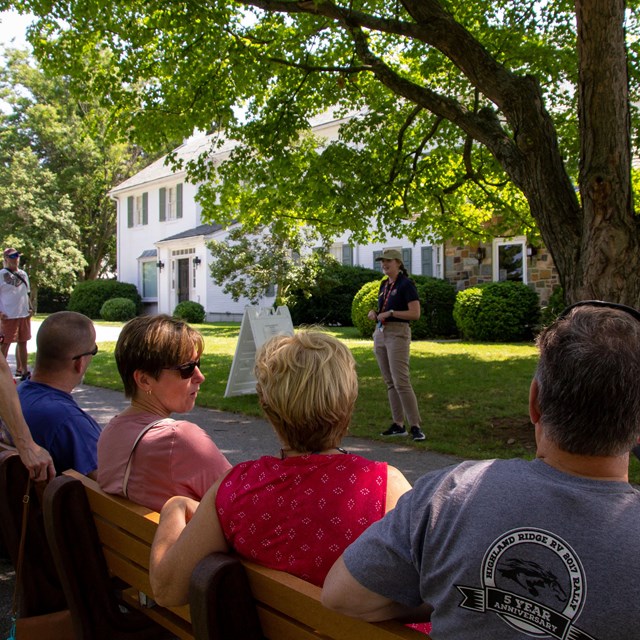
[23,534]
[24,282]
[127,471]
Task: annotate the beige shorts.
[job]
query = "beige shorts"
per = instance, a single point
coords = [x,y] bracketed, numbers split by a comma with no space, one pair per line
[16,330]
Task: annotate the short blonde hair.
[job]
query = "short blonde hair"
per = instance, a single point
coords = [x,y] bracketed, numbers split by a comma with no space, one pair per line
[307,386]
[151,343]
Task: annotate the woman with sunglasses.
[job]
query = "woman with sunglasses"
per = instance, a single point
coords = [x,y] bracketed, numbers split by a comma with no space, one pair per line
[143,454]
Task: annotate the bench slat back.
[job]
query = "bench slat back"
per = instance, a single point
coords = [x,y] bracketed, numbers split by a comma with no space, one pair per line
[126,532]
[280,594]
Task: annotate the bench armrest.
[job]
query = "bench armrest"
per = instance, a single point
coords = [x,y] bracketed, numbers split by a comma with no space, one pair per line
[221,602]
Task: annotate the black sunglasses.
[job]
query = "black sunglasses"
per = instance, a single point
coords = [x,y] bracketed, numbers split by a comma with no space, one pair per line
[602,304]
[87,353]
[187,369]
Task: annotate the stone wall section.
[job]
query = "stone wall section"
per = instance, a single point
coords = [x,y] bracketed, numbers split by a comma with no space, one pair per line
[462,269]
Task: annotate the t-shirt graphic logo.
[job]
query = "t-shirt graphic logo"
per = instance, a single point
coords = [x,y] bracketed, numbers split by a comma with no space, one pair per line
[534,581]
[10,279]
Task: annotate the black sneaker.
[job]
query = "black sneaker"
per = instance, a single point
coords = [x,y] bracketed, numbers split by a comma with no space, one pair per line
[25,376]
[395,430]
[416,433]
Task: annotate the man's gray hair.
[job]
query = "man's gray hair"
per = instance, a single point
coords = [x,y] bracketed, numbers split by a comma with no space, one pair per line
[589,381]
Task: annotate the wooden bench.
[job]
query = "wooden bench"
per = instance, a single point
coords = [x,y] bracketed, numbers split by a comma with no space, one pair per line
[229,598]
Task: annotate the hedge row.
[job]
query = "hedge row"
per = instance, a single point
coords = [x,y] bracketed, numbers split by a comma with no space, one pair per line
[495,311]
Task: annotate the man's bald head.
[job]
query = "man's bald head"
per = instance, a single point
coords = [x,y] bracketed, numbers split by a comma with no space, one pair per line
[62,336]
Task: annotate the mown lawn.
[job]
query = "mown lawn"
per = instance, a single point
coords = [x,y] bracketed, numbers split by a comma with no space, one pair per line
[473,397]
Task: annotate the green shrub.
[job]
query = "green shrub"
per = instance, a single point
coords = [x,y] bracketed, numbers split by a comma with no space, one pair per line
[118,310]
[330,300]
[365,300]
[497,312]
[89,296]
[189,311]
[50,301]
[437,298]
[554,307]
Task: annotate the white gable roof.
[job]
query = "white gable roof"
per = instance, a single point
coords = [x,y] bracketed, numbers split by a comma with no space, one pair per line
[190,149]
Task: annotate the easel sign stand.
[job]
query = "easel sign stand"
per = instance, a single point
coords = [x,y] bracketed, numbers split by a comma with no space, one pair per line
[258,325]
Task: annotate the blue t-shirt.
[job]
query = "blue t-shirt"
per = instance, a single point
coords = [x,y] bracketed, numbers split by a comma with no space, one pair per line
[59,425]
[402,292]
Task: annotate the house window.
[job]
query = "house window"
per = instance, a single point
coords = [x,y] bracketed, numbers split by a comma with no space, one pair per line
[343,253]
[377,264]
[170,201]
[149,279]
[426,255]
[510,260]
[438,262]
[138,210]
[141,209]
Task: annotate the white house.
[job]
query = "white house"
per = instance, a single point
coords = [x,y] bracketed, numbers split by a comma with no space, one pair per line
[162,240]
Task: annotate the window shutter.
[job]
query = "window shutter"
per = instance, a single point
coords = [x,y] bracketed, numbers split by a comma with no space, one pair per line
[406,259]
[145,208]
[427,261]
[179,201]
[163,204]
[130,211]
[377,265]
[347,255]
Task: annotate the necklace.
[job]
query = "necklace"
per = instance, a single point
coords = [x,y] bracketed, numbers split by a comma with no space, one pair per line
[283,452]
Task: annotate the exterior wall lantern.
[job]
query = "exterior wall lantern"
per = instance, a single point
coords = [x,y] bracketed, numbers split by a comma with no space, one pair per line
[160,265]
[196,262]
[481,254]
[531,251]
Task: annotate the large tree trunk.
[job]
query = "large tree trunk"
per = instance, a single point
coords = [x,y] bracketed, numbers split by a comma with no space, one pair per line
[609,251]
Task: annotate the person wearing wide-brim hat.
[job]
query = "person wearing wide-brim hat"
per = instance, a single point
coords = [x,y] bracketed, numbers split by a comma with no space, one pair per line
[398,305]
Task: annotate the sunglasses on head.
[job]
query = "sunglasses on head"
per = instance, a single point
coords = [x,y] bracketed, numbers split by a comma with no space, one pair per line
[86,353]
[602,304]
[187,369]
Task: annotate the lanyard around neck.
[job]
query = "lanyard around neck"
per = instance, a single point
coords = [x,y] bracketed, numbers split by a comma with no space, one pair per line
[387,292]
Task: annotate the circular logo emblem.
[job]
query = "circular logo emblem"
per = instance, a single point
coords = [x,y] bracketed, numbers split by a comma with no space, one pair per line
[533,580]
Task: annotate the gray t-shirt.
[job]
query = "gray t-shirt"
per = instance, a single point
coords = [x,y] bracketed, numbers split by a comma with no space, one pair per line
[508,549]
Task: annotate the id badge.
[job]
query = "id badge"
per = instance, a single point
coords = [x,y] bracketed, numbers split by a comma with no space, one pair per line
[380,326]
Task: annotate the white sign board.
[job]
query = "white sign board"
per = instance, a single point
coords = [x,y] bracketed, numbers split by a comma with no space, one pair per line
[258,325]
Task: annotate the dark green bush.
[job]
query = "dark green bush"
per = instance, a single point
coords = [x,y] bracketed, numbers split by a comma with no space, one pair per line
[554,307]
[365,300]
[329,301]
[437,298]
[89,296]
[497,312]
[50,301]
[189,311]
[118,310]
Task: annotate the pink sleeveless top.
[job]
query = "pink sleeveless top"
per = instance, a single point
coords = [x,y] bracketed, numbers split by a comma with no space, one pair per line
[299,514]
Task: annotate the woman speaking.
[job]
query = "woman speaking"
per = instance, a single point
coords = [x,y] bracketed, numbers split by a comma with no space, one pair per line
[398,304]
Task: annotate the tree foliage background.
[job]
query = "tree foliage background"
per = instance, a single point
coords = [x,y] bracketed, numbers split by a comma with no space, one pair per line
[35,217]
[58,157]
[469,119]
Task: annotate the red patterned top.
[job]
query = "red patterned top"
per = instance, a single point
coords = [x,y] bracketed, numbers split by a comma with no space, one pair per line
[299,514]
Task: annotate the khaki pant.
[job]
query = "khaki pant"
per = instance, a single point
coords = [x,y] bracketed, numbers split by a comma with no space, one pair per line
[391,348]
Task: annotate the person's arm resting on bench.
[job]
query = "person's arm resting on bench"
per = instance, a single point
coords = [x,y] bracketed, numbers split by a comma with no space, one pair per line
[343,593]
[187,532]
